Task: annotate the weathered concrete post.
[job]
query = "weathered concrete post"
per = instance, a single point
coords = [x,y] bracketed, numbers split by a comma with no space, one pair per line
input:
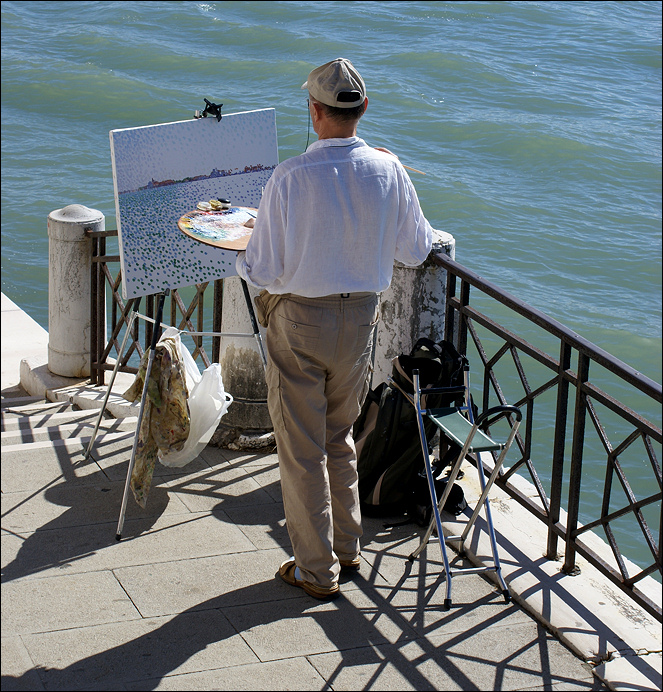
[413,306]
[69,263]
[242,369]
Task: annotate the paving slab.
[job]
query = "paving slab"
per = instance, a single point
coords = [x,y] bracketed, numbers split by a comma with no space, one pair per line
[114,455]
[76,549]
[514,656]
[57,603]
[268,477]
[150,540]
[204,554]
[127,652]
[293,674]
[235,579]
[18,670]
[298,627]
[586,611]
[460,662]
[400,666]
[226,487]
[632,673]
[40,465]
[245,459]
[64,505]
[265,530]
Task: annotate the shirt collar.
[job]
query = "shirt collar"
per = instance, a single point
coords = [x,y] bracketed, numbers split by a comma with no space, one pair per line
[335,142]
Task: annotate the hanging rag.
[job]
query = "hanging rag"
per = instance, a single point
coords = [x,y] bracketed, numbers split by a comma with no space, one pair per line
[165,425]
[208,402]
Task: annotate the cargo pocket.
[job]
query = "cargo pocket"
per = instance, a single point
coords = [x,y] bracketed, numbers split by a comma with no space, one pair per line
[275,397]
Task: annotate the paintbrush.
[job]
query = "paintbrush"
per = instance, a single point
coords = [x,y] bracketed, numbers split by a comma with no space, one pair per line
[412,169]
[386,151]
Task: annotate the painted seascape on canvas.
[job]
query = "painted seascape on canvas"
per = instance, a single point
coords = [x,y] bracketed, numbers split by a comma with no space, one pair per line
[163,171]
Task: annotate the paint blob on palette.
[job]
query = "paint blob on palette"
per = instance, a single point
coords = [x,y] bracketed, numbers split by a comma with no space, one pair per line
[224,229]
[161,172]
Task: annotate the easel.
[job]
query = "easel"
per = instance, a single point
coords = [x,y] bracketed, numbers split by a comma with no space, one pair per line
[155,338]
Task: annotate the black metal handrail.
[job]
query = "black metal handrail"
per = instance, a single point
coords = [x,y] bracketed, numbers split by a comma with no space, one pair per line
[102,347]
[463,321]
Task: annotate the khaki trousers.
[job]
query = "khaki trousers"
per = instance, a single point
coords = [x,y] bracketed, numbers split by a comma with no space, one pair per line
[317,375]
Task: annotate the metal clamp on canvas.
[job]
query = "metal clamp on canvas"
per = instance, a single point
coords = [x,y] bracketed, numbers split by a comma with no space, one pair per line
[213,109]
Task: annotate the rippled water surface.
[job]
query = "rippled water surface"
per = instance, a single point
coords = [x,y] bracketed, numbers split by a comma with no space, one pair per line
[538,125]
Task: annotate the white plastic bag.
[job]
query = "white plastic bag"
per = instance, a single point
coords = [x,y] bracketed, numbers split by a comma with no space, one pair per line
[208,401]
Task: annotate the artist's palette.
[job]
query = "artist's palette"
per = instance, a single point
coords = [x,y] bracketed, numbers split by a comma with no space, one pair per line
[223,229]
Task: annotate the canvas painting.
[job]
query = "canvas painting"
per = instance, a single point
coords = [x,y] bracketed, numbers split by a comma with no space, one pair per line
[161,172]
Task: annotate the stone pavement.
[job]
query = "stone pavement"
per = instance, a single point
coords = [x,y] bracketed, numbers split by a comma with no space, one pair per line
[189,600]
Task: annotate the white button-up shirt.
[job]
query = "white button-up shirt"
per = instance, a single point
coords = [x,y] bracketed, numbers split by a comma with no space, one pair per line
[333,220]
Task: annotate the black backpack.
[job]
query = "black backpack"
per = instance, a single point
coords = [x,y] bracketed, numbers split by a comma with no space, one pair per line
[390,463]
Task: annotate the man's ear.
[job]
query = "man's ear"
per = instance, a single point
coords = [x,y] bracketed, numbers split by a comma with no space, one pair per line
[317,110]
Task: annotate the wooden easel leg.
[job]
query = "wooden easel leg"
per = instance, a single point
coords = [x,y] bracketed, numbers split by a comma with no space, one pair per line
[132,461]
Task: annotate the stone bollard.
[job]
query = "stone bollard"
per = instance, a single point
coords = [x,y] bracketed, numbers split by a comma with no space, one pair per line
[69,272]
[242,370]
[413,306]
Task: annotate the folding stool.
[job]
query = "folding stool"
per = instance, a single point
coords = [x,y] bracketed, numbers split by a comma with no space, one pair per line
[458,424]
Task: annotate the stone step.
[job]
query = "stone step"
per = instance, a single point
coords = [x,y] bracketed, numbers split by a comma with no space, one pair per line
[13,410]
[26,433]
[48,419]
[26,447]
[19,400]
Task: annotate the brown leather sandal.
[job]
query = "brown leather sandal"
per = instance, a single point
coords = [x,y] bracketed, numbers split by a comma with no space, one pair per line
[322,593]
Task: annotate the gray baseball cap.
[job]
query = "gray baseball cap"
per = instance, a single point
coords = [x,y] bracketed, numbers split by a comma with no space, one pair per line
[336,83]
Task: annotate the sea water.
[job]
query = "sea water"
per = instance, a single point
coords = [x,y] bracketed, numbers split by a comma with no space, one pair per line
[537,125]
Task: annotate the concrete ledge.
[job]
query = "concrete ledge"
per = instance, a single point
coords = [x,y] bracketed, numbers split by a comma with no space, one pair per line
[37,380]
[25,363]
[589,614]
[22,337]
[632,673]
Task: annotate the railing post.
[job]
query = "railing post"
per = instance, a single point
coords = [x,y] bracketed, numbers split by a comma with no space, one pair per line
[99,324]
[450,313]
[557,472]
[69,278]
[94,331]
[462,319]
[216,319]
[576,464]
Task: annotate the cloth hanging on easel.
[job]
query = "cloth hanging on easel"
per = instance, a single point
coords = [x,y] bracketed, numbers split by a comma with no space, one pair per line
[166,423]
[208,402]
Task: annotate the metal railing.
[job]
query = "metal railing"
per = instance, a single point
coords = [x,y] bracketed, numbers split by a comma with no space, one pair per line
[466,326]
[560,507]
[103,348]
